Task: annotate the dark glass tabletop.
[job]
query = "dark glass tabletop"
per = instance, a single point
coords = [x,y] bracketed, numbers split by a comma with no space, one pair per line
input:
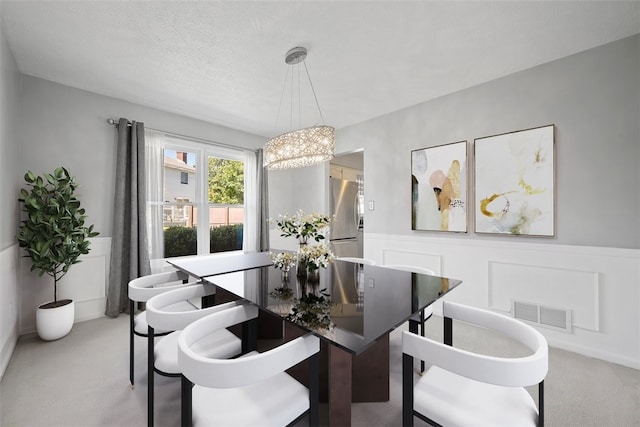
[349,304]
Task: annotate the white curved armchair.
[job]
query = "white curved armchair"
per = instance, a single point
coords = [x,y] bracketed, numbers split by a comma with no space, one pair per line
[462,388]
[424,314]
[161,314]
[141,290]
[250,390]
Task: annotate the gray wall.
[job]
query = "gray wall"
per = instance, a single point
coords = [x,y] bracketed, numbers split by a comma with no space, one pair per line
[65,126]
[9,291]
[293,189]
[592,98]
[9,172]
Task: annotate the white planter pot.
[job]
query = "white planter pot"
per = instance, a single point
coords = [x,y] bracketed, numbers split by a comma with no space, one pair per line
[55,323]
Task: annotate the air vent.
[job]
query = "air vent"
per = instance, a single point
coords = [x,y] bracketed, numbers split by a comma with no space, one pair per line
[555,317]
[549,317]
[525,311]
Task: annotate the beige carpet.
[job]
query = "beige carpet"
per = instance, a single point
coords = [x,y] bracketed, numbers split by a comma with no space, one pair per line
[82,380]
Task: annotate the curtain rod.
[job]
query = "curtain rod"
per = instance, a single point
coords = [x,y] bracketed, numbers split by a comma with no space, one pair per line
[114,122]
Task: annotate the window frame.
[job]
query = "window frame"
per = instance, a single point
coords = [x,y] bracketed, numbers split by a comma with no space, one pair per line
[202,152]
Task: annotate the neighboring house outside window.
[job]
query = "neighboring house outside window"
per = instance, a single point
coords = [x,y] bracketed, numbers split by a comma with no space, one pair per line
[176,193]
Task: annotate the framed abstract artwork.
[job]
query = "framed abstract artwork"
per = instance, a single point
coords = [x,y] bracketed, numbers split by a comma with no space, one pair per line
[439,188]
[515,183]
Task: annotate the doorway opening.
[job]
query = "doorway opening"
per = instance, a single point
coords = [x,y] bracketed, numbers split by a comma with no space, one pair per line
[346,204]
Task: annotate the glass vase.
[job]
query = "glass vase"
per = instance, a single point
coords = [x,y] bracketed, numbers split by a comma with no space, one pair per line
[301,268]
[284,273]
[313,275]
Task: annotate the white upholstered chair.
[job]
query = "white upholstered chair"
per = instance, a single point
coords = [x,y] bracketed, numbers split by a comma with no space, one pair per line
[358,260]
[163,356]
[252,390]
[462,388]
[141,290]
[424,314]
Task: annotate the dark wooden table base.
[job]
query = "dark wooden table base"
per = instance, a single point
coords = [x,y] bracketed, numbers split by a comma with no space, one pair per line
[346,378]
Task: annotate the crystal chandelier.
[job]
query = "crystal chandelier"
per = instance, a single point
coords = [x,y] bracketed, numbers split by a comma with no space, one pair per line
[302,147]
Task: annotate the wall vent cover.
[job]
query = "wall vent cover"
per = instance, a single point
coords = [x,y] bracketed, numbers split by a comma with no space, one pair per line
[549,317]
[524,311]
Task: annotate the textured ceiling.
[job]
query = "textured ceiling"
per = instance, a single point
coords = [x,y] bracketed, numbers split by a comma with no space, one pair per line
[223,61]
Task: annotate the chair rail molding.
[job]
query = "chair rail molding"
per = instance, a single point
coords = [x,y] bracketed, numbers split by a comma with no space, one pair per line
[600,286]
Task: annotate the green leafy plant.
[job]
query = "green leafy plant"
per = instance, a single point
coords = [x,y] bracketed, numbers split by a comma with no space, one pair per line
[225,238]
[181,241]
[303,226]
[53,233]
[226,181]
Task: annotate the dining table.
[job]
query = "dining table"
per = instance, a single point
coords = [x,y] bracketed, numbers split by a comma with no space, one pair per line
[351,307]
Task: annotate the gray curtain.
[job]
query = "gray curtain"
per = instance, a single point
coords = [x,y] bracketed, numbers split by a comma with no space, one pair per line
[263,202]
[129,249]
[262,193]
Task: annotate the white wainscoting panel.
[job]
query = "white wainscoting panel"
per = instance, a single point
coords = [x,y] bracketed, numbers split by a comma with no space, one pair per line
[548,286]
[599,286]
[416,259]
[9,303]
[86,284]
[85,281]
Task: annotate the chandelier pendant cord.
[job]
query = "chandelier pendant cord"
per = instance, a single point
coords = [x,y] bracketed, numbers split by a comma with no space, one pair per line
[291,103]
[284,87]
[313,91]
[299,97]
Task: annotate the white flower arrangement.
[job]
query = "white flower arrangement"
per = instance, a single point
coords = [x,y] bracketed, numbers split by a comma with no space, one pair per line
[283,260]
[303,226]
[316,256]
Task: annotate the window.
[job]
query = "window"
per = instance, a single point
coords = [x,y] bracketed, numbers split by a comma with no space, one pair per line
[195,197]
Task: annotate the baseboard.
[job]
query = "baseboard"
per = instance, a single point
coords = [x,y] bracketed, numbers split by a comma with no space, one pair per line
[7,351]
[595,353]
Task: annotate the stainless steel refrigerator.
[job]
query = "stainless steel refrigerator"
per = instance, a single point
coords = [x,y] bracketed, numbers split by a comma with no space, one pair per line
[346,236]
[347,224]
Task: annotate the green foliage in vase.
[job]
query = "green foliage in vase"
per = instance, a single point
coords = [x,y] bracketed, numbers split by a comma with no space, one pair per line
[303,226]
[54,232]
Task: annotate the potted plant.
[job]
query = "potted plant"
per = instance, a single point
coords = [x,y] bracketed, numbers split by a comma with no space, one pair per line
[303,227]
[54,236]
